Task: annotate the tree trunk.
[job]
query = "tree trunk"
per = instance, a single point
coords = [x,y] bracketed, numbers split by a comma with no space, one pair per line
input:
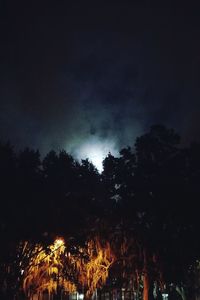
[145,278]
[146,287]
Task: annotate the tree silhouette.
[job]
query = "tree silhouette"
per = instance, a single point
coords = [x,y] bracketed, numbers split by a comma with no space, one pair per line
[145,200]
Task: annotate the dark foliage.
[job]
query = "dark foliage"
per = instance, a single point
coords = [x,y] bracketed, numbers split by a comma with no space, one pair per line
[152,188]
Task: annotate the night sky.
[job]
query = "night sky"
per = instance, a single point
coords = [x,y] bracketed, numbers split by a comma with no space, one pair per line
[83,75]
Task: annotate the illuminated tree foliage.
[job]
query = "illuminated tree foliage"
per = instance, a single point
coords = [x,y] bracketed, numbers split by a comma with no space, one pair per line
[94,270]
[45,270]
[55,269]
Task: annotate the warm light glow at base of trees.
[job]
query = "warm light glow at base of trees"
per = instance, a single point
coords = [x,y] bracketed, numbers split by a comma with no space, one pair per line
[55,269]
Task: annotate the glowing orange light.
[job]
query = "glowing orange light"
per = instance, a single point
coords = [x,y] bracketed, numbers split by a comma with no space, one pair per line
[53,268]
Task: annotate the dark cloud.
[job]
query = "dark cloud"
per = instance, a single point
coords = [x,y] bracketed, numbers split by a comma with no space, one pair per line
[77,73]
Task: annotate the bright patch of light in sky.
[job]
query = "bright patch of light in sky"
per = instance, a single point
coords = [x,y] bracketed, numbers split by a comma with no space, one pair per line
[95,150]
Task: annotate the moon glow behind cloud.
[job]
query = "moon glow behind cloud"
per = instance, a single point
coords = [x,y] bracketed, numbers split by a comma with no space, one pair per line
[67,79]
[95,150]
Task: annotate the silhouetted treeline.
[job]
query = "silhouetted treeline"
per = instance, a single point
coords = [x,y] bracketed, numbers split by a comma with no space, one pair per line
[152,188]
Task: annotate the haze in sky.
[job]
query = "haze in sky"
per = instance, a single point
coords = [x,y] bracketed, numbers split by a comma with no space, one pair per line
[91,77]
